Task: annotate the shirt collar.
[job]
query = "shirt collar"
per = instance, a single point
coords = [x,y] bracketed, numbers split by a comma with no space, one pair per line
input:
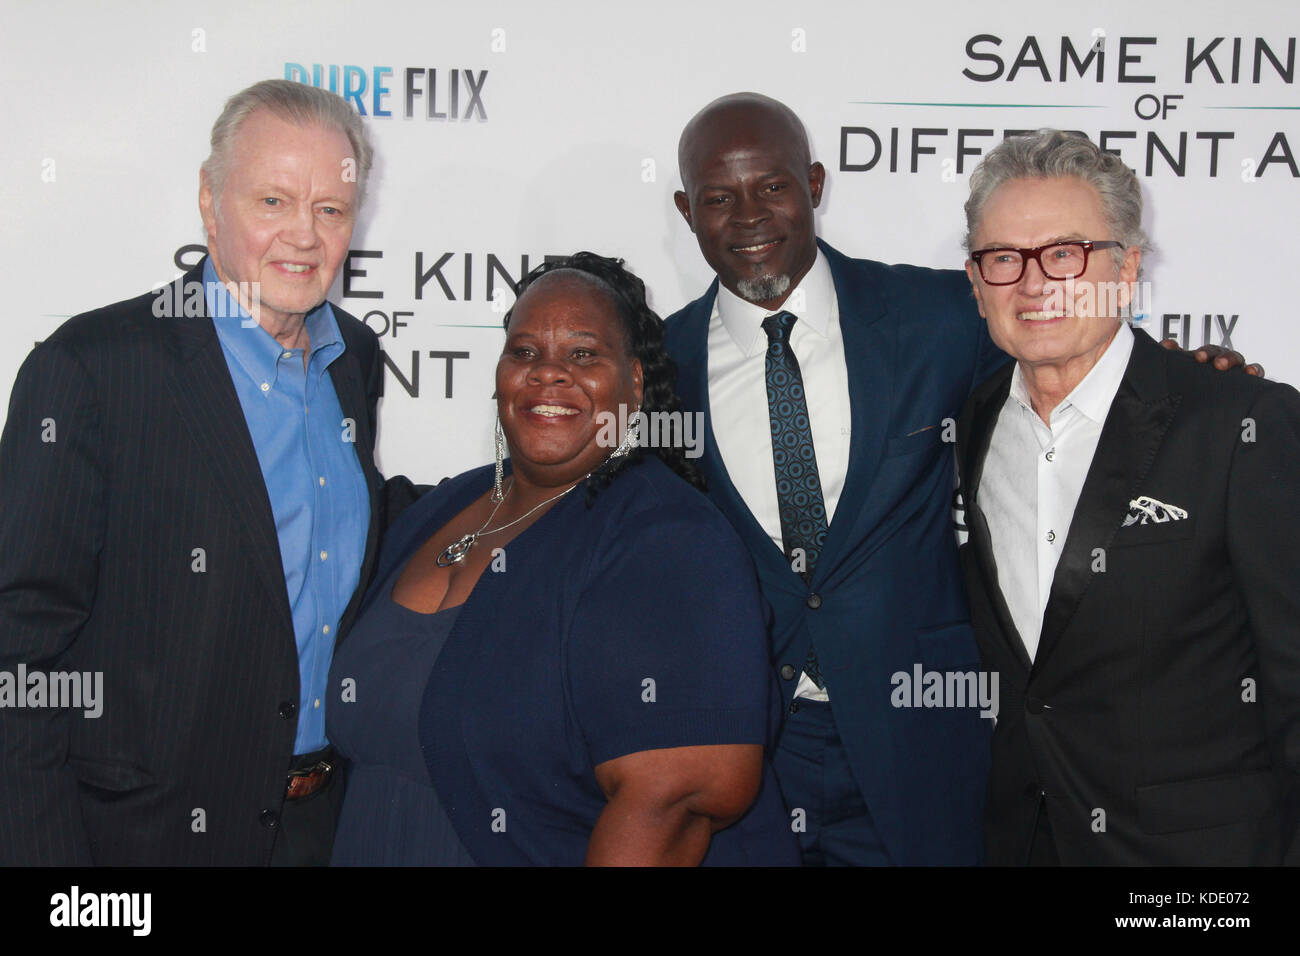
[254,348]
[812,300]
[1093,395]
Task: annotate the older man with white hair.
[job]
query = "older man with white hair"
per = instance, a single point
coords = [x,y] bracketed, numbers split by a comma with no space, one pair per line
[191,511]
[1134,528]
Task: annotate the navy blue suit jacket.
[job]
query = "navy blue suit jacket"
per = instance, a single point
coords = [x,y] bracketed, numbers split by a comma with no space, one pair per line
[887,593]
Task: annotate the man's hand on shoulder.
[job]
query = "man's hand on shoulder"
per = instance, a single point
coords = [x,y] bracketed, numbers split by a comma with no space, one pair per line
[1218,357]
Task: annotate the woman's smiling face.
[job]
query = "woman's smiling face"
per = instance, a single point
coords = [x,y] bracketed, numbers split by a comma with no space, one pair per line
[564,368]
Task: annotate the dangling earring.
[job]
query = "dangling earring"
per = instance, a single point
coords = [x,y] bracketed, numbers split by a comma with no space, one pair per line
[497,493]
[629,440]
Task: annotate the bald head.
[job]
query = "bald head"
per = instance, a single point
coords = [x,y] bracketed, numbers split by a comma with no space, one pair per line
[733,115]
[749,190]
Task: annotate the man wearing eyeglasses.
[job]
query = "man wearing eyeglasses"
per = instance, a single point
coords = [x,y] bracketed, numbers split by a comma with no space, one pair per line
[1134,539]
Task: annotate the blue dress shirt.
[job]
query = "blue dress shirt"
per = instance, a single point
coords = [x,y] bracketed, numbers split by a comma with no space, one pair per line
[313,479]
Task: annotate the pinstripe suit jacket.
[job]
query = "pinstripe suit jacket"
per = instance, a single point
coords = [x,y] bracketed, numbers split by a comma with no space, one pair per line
[125,451]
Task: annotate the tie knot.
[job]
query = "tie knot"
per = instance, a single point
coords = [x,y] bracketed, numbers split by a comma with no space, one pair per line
[778,326]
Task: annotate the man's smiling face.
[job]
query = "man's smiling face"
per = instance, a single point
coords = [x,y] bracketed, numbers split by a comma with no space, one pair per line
[749,197]
[284,218]
[1038,320]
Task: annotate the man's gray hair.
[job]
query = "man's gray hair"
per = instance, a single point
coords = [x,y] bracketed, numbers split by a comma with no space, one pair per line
[295,103]
[1051,153]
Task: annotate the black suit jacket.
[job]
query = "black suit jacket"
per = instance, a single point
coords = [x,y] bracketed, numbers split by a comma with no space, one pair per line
[1160,720]
[151,460]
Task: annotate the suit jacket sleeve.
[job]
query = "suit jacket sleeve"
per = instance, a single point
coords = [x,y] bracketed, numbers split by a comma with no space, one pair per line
[988,357]
[1263,533]
[53,486]
[399,492]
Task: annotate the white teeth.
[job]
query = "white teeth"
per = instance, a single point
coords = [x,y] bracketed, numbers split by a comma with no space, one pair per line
[552,410]
[762,245]
[1039,316]
[291,267]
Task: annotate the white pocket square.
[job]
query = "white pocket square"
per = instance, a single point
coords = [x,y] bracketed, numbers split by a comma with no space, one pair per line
[1146,510]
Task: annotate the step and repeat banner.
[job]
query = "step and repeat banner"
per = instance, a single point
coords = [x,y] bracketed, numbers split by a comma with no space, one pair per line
[505,132]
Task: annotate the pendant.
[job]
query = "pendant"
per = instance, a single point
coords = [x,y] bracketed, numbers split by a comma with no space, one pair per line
[456,551]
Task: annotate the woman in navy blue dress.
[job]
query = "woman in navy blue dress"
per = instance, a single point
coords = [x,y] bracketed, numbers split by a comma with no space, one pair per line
[563,659]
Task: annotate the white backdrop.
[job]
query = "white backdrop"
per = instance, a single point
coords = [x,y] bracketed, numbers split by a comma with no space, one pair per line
[109,108]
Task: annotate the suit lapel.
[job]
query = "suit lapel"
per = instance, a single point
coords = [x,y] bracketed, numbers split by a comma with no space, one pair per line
[985,418]
[1130,438]
[861,305]
[693,389]
[205,398]
[867,355]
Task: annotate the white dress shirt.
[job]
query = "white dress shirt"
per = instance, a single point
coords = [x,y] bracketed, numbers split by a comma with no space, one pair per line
[738,398]
[1032,478]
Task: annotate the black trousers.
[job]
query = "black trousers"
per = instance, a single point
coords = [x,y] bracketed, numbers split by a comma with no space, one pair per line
[1042,849]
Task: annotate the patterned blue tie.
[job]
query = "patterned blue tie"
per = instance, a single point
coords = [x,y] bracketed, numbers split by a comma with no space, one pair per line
[798,483]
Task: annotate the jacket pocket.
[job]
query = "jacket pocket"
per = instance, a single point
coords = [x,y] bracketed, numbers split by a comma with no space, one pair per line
[1136,534]
[917,441]
[949,646]
[109,775]
[1205,802]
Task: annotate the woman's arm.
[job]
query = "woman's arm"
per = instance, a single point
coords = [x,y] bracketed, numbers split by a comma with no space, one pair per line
[664,805]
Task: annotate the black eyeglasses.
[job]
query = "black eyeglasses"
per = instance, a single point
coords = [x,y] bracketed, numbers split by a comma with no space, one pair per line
[1058,260]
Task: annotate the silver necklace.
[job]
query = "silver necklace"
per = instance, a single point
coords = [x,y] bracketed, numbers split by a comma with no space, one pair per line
[456,551]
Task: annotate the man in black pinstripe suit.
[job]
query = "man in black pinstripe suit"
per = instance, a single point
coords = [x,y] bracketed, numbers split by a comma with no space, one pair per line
[170,514]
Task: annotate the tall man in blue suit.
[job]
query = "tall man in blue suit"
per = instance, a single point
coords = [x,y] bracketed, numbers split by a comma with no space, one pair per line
[829,387]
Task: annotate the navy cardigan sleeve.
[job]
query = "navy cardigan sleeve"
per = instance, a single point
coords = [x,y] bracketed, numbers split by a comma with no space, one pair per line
[667,646]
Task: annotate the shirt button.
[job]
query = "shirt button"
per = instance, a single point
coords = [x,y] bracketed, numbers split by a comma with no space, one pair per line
[1051,536]
[266,387]
[316,704]
[324,555]
[814,600]
[1051,454]
[286,355]
[325,629]
[322,481]
[787,672]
